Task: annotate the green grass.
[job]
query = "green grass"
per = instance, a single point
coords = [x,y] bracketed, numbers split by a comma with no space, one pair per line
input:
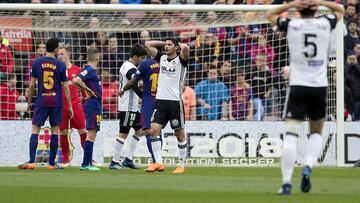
[203,185]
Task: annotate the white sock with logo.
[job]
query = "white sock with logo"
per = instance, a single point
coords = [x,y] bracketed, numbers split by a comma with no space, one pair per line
[313,149]
[119,143]
[288,157]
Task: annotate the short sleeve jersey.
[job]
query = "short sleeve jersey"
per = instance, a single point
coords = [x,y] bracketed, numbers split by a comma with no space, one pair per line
[91,79]
[308,40]
[50,73]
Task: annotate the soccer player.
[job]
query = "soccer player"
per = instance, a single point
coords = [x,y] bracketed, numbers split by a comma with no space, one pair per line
[308,39]
[129,111]
[89,81]
[78,122]
[169,102]
[50,73]
[148,72]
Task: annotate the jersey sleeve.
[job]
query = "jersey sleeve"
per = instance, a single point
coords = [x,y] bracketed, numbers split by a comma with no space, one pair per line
[139,74]
[184,62]
[158,56]
[64,77]
[130,73]
[33,72]
[282,23]
[85,74]
[332,20]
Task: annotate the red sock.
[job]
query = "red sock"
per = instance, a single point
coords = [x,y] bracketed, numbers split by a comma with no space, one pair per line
[82,139]
[64,142]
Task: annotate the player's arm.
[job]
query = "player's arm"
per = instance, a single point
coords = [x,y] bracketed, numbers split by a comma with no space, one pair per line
[185,51]
[274,14]
[335,8]
[130,84]
[81,85]
[130,75]
[68,98]
[151,47]
[31,91]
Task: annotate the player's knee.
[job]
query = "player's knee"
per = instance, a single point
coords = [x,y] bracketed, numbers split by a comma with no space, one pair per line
[292,127]
[154,132]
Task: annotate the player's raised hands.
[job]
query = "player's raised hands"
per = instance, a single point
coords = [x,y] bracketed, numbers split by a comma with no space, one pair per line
[300,4]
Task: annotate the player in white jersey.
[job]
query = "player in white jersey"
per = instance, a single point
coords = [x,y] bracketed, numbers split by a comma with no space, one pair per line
[308,40]
[128,111]
[169,101]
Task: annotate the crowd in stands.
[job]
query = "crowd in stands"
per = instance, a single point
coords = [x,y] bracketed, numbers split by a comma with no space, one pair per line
[234,73]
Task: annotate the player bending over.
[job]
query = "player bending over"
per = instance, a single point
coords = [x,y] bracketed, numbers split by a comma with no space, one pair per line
[308,39]
[169,105]
[50,74]
[129,111]
[148,72]
[78,122]
[89,81]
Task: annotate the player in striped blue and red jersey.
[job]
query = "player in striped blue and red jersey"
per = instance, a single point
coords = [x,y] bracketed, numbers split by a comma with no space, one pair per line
[89,81]
[148,72]
[51,76]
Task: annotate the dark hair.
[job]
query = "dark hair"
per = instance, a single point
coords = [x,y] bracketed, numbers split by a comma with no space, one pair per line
[213,67]
[10,76]
[92,54]
[352,20]
[52,44]
[351,5]
[175,41]
[138,50]
[307,12]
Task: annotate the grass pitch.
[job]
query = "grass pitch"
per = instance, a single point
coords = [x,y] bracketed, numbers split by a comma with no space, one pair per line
[202,185]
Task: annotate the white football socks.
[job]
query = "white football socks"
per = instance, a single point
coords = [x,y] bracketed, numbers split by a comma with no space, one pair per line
[133,141]
[119,143]
[182,153]
[156,148]
[313,149]
[288,157]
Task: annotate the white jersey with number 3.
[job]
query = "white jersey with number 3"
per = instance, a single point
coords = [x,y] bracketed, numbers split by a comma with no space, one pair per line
[308,40]
[172,73]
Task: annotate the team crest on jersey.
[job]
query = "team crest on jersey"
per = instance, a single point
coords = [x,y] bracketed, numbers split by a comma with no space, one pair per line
[85,72]
[173,63]
[175,122]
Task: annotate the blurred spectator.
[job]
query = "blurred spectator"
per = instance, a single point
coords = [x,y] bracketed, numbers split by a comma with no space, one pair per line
[261,83]
[189,99]
[40,50]
[357,51]
[241,98]
[110,93]
[101,42]
[212,97]
[88,38]
[144,36]
[352,38]
[350,13]
[186,35]
[6,57]
[262,47]
[226,74]
[112,59]
[8,98]
[240,38]
[352,70]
